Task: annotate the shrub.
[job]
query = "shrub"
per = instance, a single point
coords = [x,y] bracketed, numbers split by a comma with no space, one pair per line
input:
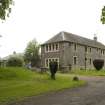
[98,64]
[53,68]
[15,61]
[75,78]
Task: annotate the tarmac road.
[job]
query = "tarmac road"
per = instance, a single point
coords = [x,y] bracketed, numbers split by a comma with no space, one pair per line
[91,94]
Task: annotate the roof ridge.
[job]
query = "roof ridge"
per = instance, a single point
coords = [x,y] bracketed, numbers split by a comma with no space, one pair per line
[78,36]
[70,37]
[63,35]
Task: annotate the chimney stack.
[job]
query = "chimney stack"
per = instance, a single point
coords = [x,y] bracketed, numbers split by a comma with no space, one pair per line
[95,37]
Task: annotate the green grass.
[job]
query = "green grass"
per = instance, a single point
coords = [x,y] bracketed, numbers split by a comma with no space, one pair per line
[18,83]
[88,72]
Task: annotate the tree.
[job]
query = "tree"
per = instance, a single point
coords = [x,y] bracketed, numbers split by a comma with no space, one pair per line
[103,15]
[15,61]
[32,53]
[5,8]
[98,64]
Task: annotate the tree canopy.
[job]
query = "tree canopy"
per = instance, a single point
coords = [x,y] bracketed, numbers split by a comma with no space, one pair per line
[32,53]
[5,8]
[103,15]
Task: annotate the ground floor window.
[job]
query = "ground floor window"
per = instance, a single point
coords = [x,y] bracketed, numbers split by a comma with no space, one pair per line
[90,61]
[75,60]
[48,60]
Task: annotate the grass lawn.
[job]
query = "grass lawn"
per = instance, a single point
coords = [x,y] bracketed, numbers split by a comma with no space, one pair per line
[18,83]
[88,72]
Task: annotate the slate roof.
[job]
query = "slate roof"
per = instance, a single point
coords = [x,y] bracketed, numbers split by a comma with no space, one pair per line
[69,37]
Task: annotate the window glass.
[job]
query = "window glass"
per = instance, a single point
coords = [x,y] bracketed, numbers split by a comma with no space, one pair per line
[75,47]
[56,46]
[50,47]
[90,49]
[75,60]
[46,47]
[53,46]
[85,48]
[90,61]
[46,62]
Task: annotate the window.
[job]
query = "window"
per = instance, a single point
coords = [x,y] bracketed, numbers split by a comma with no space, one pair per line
[56,60]
[50,47]
[53,47]
[103,52]
[46,47]
[75,47]
[56,46]
[48,60]
[90,50]
[86,49]
[90,61]
[52,59]
[97,49]
[74,60]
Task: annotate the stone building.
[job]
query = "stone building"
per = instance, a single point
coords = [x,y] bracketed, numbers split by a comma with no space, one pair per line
[71,51]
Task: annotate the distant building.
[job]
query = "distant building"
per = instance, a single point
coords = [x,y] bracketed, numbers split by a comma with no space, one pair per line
[72,51]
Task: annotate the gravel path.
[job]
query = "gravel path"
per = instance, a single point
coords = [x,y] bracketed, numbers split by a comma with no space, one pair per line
[91,94]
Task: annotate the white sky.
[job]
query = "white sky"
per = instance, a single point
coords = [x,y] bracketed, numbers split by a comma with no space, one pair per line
[42,19]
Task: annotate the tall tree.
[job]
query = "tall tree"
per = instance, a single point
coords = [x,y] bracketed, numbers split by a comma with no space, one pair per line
[5,8]
[103,15]
[32,53]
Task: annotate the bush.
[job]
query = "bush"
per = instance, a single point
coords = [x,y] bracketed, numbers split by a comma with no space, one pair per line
[15,61]
[75,78]
[98,64]
[53,69]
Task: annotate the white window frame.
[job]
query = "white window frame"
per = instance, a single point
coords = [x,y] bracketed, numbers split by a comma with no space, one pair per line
[76,60]
[46,48]
[86,47]
[75,46]
[51,60]
[52,50]
[90,61]
[46,63]
[103,52]
[90,49]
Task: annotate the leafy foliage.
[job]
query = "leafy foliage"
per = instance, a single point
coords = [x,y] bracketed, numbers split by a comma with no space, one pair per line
[75,78]
[5,8]
[15,61]
[98,64]
[53,69]
[32,53]
[103,15]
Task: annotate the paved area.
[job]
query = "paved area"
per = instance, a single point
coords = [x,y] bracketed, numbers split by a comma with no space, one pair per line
[91,94]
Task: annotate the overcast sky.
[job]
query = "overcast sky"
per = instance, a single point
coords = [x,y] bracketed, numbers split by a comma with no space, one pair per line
[42,19]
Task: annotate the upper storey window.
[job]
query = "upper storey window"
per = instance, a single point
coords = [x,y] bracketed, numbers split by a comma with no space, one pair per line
[86,49]
[103,52]
[90,49]
[56,46]
[46,47]
[75,47]
[52,47]
[97,49]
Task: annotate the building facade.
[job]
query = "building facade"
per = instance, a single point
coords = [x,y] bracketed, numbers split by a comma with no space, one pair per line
[71,51]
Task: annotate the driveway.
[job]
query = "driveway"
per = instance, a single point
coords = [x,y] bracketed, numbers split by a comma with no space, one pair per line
[91,94]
